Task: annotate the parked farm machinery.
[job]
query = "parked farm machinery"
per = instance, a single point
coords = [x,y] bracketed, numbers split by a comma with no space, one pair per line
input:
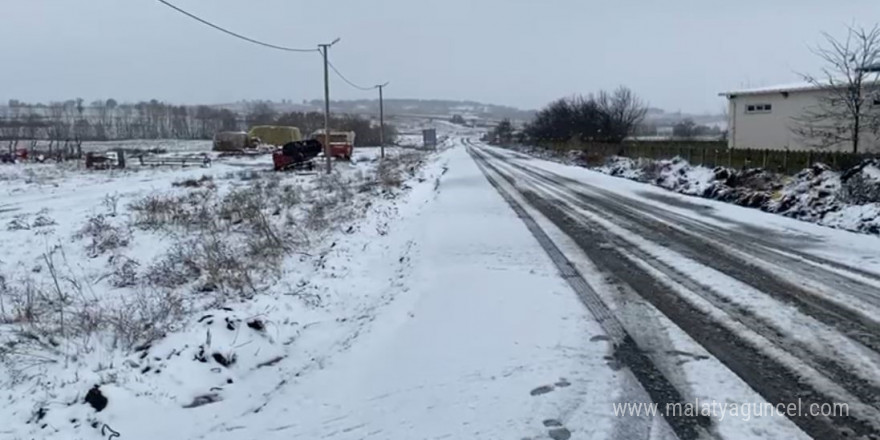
[298,156]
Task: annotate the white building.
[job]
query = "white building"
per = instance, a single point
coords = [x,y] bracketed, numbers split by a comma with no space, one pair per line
[766,118]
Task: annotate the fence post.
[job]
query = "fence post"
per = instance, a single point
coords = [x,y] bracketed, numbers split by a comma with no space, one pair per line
[785,161]
[764,160]
[691,155]
[729,158]
[809,158]
[715,162]
[702,156]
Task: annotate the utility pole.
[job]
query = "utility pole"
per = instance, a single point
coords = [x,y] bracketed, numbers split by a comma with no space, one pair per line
[324,49]
[382,120]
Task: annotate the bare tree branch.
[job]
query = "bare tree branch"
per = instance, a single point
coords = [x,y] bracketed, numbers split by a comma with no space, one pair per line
[845,110]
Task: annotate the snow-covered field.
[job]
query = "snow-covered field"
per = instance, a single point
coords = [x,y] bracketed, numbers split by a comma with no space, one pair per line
[174,288]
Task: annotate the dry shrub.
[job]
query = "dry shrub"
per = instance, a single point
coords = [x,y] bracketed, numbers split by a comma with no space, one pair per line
[163,211]
[124,271]
[18,223]
[204,181]
[233,243]
[392,171]
[316,216]
[143,317]
[55,319]
[103,235]
[111,203]
[174,269]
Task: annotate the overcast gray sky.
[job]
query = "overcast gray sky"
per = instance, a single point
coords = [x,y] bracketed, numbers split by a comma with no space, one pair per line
[676,54]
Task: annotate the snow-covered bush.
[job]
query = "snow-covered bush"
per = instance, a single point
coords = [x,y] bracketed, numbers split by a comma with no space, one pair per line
[622,167]
[124,271]
[103,236]
[55,320]
[163,211]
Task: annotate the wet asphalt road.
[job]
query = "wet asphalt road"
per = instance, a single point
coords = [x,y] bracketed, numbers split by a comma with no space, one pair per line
[786,369]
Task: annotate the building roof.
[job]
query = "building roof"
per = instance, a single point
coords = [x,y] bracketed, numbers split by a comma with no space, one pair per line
[790,87]
[779,88]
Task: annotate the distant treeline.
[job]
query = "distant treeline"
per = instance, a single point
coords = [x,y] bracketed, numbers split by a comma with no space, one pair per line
[110,120]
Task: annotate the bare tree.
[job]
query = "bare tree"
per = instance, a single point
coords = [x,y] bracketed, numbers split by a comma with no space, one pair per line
[622,111]
[504,131]
[846,110]
[686,129]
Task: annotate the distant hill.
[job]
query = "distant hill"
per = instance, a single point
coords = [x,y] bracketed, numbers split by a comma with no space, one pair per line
[434,108]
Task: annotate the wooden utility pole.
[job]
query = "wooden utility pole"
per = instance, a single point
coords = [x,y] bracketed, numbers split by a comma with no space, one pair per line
[381,120]
[324,49]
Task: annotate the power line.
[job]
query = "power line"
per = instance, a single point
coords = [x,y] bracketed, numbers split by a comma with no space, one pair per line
[226,31]
[340,75]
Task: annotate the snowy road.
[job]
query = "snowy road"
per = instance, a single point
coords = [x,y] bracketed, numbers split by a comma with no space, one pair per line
[791,309]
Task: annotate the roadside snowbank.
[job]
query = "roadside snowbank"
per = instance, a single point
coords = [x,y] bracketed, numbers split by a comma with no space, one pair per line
[849,200]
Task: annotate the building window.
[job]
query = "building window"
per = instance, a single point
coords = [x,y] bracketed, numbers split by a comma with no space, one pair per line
[759,108]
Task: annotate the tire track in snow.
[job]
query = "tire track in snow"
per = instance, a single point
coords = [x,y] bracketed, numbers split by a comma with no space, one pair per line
[863,388]
[773,380]
[626,351]
[710,253]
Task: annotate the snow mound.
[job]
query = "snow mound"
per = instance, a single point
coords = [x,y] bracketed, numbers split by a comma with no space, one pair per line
[622,167]
[848,200]
[845,200]
[813,193]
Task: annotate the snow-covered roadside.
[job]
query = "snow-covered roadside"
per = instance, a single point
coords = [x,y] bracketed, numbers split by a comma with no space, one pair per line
[218,359]
[848,200]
